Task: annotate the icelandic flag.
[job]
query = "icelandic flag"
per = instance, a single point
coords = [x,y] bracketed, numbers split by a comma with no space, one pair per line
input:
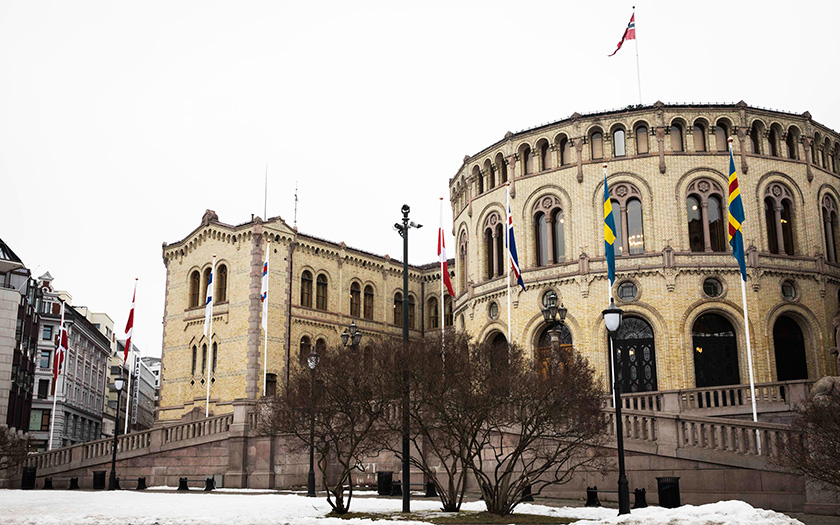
[129,326]
[60,351]
[208,305]
[264,291]
[736,218]
[514,259]
[609,231]
[629,33]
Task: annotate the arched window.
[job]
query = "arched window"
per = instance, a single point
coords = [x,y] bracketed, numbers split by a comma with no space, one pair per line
[715,352]
[462,262]
[545,359]
[773,139]
[642,146]
[699,136]
[627,213]
[790,141]
[596,145]
[204,358]
[527,159]
[195,287]
[545,156]
[491,176]
[355,300]
[565,151]
[813,152]
[501,167]
[411,312]
[500,250]
[634,345]
[705,216]
[778,214]
[304,350]
[207,275]
[494,245]
[321,292]
[676,137]
[549,233]
[194,358]
[489,251]
[755,140]
[447,311]
[721,136]
[789,344]
[221,284]
[619,145]
[368,302]
[215,356]
[434,319]
[306,289]
[830,229]
[398,306]
[320,347]
[479,179]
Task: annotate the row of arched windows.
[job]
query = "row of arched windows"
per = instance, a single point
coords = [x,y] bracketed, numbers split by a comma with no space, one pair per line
[198,286]
[195,357]
[320,290]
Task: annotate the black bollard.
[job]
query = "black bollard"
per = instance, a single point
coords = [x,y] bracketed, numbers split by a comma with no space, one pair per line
[209,484]
[640,502]
[117,484]
[431,491]
[592,497]
[526,494]
[48,484]
[396,489]
[74,484]
[182,484]
[141,483]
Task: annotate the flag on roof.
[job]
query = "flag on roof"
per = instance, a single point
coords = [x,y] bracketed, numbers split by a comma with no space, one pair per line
[629,33]
[514,259]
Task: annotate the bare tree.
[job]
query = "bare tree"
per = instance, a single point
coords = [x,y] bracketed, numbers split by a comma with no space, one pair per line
[13,448]
[813,449]
[352,398]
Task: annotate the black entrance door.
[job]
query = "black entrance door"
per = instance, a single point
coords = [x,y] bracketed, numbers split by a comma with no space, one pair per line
[715,352]
[790,350]
[636,356]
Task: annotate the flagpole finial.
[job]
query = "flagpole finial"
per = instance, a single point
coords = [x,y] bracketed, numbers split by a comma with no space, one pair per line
[441,198]
[729,140]
[605,165]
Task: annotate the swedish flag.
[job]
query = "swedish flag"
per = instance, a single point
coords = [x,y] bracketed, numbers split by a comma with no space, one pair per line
[609,231]
[736,218]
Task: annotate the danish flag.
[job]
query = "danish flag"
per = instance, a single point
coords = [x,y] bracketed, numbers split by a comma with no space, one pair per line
[129,326]
[444,266]
[60,351]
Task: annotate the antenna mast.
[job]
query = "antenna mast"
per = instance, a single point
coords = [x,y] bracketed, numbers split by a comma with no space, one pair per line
[296,202]
[265,194]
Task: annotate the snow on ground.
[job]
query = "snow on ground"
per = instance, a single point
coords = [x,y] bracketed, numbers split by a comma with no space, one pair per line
[166,507]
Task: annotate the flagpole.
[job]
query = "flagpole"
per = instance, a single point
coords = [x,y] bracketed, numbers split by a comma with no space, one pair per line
[442,297]
[57,377]
[210,338]
[609,301]
[52,419]
[507,250]
[749,346]
[636,42]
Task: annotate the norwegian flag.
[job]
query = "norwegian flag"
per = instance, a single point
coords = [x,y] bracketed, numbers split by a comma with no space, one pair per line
[60,350]
[514,259]
[208,305]
[264,291]
[629,33]
[129,326]
[444,266]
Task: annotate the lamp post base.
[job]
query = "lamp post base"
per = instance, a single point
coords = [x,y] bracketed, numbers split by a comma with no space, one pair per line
[623,495]
[112,481]
[310,484]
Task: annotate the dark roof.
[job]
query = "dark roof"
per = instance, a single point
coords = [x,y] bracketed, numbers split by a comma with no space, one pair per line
[7,254]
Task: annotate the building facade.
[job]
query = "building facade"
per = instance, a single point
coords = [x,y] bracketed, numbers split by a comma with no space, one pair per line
[667,171]
[676,279]
[80,389]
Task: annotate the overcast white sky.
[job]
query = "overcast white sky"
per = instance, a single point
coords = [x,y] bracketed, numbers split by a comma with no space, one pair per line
[121,122]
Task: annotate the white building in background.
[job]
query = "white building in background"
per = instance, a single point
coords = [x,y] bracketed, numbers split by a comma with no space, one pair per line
[154,364]
[141,390]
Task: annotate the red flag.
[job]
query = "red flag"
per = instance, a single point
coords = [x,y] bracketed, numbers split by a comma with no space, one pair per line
[444,267]
[60,350]
[129,326]
[629,33]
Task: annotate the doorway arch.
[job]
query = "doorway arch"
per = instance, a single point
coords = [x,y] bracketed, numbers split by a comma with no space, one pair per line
[715,352]
[789,346]
[634,345]
[542,353]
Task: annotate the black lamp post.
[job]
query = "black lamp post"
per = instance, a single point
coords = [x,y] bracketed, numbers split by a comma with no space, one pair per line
[612,318]
[555,317]
[406,473]
[351,336]
[312,361]
[119,382]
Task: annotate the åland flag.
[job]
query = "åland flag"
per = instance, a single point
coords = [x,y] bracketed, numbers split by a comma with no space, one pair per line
[736,218]
[514,259]
[609,231]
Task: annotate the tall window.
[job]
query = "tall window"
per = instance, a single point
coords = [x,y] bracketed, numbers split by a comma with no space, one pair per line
[494,246]
[320,346]
[565,151]
[411,312]
[306,289]
[221,284]
[368,302]
[215,356]
[778,215]
[627,213]
[447,311]
[773,139]
[398,306]
[355,300]
[755,140]
[203,358]
[527,159]
[830,229]
[549,236]
[194,358]
[699,137]
[676,137]
[321,292]
[462,262]
[500,250]
[434,319]
[721,136]
[489,251]
[501,167]
[790,141]
[491,177]
[479,179]
[304,349]
[195,287]
[642,146]
[619,145]
[596,145]
[207,273]
[545,156]
[705,216]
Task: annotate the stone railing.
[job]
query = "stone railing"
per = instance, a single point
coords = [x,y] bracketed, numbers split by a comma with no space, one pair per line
[720,400]
[199,428]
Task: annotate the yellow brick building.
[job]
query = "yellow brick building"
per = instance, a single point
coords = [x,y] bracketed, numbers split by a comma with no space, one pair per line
[676,278]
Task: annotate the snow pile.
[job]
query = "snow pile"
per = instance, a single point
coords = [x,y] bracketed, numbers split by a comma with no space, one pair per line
[229,507]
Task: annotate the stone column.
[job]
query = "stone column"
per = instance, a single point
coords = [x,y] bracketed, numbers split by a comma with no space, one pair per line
[780,236]
[625,235]
[704,218]
[511,160]
[660,140]
[496,260]
[549,228]
[579,153]
[741,138]
[806,143]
